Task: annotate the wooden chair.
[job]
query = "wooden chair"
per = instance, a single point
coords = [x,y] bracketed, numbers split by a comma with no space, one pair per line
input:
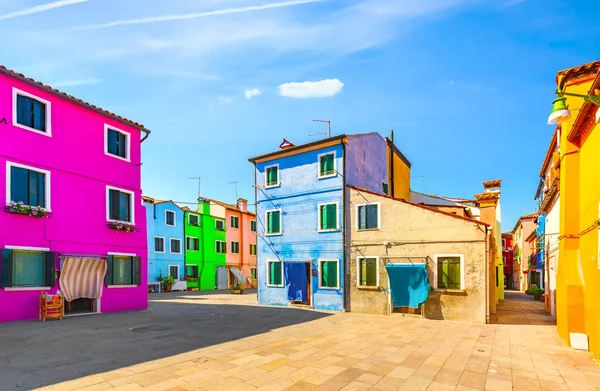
[51,306]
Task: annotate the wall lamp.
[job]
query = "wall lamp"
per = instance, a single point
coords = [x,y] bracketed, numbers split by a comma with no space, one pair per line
[560,111]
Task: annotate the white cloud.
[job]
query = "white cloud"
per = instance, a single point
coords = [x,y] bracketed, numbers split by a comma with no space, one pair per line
[249,94]
[225,99]
[76,83]
[40,8]
[195,15]
[311,89]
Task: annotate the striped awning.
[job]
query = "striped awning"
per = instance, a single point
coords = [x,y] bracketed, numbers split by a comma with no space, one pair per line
[238,275]
[82,277]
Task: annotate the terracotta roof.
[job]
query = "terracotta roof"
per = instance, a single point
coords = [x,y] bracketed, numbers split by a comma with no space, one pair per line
[493,183]
[549,152]
[590,67]
[154,201]
[419,205]
[487,196]
[529,216]
[298,147]
[71,98]
[225,205]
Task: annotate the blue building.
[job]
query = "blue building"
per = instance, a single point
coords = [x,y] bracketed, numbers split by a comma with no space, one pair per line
[302,209]
[165,222]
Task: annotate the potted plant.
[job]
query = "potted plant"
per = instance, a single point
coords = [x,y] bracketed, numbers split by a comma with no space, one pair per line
[168,283]
[118,226]
[238,289]
[20,208]
[535,292]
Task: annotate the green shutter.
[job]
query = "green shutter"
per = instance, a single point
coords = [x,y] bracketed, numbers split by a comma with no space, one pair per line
[329,275]
[108,277]
[274,222]
[271,176]
[137,271]
[363,272]
[275,273]
[6,268]
[324,274]
[326,165]
[331,216]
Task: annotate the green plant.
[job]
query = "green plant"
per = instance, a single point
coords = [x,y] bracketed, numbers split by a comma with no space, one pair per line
[168,281]
[34,211]
[535,292]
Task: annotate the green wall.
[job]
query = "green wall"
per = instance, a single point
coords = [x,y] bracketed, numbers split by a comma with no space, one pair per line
[206,258]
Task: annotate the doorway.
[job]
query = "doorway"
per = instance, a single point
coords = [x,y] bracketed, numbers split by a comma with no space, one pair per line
[81,306]
[298,282]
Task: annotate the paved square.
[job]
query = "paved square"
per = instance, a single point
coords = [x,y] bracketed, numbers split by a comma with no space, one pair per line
[193,341]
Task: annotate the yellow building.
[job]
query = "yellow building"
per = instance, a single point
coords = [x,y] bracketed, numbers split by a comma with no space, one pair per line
[578,271]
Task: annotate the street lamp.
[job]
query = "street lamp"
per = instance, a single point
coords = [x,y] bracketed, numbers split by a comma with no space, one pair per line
[560,111]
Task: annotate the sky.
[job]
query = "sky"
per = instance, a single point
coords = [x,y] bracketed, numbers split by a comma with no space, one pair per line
[466,85]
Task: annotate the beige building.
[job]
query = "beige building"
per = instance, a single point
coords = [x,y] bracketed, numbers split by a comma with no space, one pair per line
[388,234]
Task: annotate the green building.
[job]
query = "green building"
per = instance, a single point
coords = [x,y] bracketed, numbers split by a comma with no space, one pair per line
[205,245]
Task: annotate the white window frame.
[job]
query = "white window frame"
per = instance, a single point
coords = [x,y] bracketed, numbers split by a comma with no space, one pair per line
[320,262]
[255,226]
[267,186]
[225,245]
[231,222]
[267,222]
[121,286]
[378,216]
[231,245]
[462,271]
[337,217]
[48,132]
[127,136]
[191,237]
[255,249]
[358,269]
[131,202]
[174,218]
[194,214]
[269,262]
[178,271]
[334,165]
[171,246]
[47,186]
[164,244]
[27,288]
[224,224]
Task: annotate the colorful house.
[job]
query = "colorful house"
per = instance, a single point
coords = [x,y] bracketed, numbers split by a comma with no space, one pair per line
[508,259]
[522,251]
[240,264]
[577,277]
[205,245]
[72,196]
[165,226]
[303,214]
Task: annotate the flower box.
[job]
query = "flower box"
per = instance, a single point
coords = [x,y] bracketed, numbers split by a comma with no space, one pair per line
[33,211]
[122,227]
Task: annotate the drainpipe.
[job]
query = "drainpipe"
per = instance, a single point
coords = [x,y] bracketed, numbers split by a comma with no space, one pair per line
[487,277]
[392,191]
[344,247]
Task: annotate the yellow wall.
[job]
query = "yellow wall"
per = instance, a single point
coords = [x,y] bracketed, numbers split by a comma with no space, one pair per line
[578,276]
[401,178]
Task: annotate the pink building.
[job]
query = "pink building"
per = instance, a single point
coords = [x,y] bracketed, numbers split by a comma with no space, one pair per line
[241,229]
[72,217]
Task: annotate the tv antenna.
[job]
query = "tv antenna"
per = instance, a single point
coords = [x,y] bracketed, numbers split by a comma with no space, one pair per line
[236,187]
[199,179]
[328,127]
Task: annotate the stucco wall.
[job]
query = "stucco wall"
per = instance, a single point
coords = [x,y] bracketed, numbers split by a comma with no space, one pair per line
[401,177]
[552,230]
[159,262]
[420,233]
[244,261]
[366,161]
[79,175]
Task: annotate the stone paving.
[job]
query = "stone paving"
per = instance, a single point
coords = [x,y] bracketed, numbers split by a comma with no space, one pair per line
[196,341]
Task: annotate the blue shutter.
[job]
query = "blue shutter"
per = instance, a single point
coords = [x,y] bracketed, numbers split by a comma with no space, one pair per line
[108,278]
[137,270]
[6,268]
[49,269]
[39,115]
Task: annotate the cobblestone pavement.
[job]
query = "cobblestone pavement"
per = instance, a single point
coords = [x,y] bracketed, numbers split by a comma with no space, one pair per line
[223,342]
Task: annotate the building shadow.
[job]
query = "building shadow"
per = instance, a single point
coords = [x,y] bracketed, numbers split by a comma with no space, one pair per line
[520,309]
[35,354]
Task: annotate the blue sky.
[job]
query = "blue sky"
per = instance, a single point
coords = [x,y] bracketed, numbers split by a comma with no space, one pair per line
[466,85]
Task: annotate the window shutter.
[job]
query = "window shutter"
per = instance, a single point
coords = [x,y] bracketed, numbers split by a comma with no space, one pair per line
[278,266]
[195,273]
[49,269]
[270,222]
[332,216]
[39,115]
[6,268]
[371,278]
[363,271]
[332,274]
[114,205]
[372,216]
[362,217]
[272,273]
[137,270]
[108,278]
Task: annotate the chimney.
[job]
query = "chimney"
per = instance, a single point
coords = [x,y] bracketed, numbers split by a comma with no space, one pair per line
[242,205]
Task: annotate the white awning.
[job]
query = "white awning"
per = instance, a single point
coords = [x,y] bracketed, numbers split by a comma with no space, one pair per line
[239,277]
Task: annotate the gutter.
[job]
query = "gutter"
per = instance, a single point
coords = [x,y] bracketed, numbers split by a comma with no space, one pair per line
[344,246]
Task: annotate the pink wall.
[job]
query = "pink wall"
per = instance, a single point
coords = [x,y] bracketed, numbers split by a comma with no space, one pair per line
[79,172]
[244,236]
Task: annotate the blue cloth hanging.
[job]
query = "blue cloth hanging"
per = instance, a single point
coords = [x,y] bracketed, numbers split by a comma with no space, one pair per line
[295,280]
[409,284]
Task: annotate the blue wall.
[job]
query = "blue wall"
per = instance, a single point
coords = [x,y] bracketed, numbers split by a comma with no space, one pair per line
[158,263]
[298,196]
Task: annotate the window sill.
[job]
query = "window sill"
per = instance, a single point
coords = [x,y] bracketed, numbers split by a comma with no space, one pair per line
[179,253]
[28,288]
[326,288]
[368,229]
[34,130]
[118,157]
[326,176]
[274,286]
[368,288]
[122,286]
[329,230]
[450,290]
[272,186]
[279,234]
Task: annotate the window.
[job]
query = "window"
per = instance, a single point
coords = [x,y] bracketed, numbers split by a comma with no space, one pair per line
[253,225]
[175,246]
[27,268]
[368,272]
[272,176]
[385,188]
[253,273]
[449,273]
[275,273]
[120,205]
[221,247]
[159,244]
[367,216]
[273,222]
[504,261]
[220,225]
[193,219]
[123,270]
[170,218]
[328,270]
[235,247]
[192,244]
[503,243]
[117,143]
[29,186]
[327,165]
[235,222]
[191,271]
[174,271]
[253,249]
[31,113]
[328,217]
